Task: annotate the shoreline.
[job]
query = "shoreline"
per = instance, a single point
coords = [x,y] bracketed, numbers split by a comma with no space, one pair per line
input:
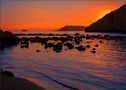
[9,81]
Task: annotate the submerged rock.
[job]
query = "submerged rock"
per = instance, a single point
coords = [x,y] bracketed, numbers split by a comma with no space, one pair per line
[87,46]
[50,45]
[58,47]
[96,45]
[77,41]
[69,45]
[38,50]
[93,51]
[101,41]
[81,48]
[24,44]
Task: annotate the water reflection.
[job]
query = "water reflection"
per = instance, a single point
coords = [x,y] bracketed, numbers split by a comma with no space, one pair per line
[83,69]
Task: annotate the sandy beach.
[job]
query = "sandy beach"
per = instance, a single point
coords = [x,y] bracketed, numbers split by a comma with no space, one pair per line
[8,81]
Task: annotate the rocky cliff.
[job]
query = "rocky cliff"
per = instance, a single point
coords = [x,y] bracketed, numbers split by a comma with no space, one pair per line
[115,21]
[7,39]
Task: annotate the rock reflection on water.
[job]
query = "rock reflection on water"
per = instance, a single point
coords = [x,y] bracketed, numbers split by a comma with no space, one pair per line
[68,41]
[70,69]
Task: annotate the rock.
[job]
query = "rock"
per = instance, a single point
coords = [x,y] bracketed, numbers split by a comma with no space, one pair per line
[93,51]
[63,39]
[7,73]
[81,48]
[44,41]
[58,47]
[77,34]
[116,41]
[87,46]
[7,39]
[65,49]
[101,41]
[77,42]
[1,70]
[88,37]
[115,21]
[50,45]
[69,45]
[24,44]
[38,50]
[9,82]
[96,45]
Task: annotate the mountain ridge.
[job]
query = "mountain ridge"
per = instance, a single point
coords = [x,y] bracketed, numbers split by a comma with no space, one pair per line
[114,21]
[72,28]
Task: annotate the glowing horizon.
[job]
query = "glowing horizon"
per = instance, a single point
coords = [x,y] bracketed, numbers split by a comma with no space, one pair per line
[51,15]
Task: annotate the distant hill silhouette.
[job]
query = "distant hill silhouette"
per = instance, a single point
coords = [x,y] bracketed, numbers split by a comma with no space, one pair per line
[24,30]
[72,28]
[115,21]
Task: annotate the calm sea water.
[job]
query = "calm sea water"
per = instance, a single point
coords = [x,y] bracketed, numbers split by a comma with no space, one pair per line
[70,69]
[69,32]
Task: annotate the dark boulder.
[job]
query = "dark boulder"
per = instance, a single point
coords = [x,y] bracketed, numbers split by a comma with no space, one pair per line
[81,48]
[58,47]
[7,73]
[96,45]
[50,45]
[93,51]
[38,50]
[87,46]
[7,39]
[69,45]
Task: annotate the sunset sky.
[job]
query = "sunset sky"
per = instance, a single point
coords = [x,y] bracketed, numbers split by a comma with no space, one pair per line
[52,14]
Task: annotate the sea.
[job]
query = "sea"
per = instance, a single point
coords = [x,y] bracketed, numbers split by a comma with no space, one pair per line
[70,69]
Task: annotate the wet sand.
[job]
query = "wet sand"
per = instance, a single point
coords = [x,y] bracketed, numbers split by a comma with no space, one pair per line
[7,82]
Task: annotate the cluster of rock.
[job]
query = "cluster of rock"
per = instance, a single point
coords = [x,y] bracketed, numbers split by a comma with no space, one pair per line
[69,42]
[115,21]
[57,44]
[7,39]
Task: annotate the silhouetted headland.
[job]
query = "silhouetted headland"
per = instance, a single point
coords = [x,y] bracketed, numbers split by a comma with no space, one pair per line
[7,39]
[24,30]
[72,28]
[115,21]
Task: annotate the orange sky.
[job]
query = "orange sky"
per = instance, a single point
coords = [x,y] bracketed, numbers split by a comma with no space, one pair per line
[50,15]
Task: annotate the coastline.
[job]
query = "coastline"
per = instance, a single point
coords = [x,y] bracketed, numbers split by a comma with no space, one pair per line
[9,81]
